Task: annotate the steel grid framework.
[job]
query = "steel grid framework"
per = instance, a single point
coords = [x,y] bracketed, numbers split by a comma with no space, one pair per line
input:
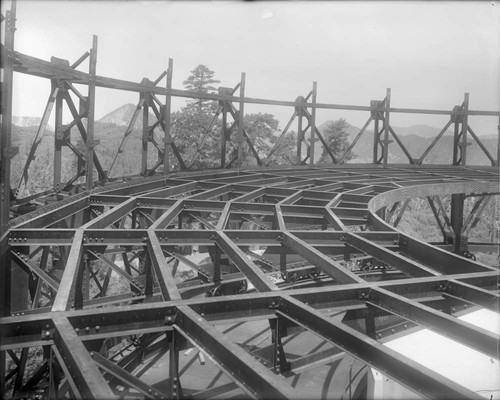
[309,250]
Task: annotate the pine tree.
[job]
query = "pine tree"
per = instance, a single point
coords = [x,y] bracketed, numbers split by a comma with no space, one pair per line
[337,138]
[201,80]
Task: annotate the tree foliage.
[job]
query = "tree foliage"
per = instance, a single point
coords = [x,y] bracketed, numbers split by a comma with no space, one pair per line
[285,153]
[196,130]
[337,138]
[261,130]
[201,80]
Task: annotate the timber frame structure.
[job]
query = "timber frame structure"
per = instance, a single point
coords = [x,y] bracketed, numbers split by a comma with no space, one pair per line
[307,251]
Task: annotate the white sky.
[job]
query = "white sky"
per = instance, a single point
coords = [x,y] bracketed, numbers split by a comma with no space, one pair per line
[428,53]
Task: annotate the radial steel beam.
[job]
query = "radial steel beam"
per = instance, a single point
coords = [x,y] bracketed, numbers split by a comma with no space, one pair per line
[83,370]
[402,369]
[127,378]
[252,376]
[438,259]
[63,299]
[163,271]
[466,333]
[395,260]
[110,217]
[473,294]
[317,258]
[254,274]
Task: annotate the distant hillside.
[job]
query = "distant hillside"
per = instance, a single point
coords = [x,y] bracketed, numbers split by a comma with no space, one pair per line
[416,139]
[111,128]
[24,122]
[123,115]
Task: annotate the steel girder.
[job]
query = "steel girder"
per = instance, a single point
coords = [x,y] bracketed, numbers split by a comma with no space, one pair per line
[303,274]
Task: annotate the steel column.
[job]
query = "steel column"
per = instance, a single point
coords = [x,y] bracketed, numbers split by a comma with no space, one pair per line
[457,219]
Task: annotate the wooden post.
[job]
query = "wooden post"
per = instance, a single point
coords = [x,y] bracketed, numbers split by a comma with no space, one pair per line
[498,143]
[6,152]
[223,131]
[89,173]
[375,112]
[6,110]
[166,119]
[145,133]
[386,126]
[456,135]
[300,134]
[313,122]
[241,139]
[465,118]
[58,135]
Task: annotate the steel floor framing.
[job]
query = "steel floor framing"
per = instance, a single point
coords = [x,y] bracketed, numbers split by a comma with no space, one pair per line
[284,267]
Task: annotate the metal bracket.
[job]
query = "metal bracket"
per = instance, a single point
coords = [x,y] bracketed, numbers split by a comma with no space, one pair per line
[365,295]
[169,320]
[403,241]
[59,61]
[442,287]
[48,334]
[92,143]
[280,363]
[456,118]
[12,151]
[63,134]
[377,104]
[83,108]
[274,304]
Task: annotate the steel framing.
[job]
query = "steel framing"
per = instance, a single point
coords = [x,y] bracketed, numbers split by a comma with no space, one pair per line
[315,226]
